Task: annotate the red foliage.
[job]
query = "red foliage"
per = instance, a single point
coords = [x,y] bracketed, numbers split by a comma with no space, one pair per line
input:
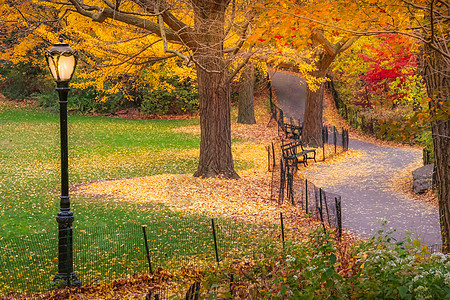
[389,60]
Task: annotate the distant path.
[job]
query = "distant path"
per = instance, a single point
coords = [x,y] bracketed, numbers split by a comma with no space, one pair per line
[290,91]
[365,182]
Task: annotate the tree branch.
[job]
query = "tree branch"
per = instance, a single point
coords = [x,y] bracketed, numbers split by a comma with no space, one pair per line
[318,36]
[163,36]
[98,14]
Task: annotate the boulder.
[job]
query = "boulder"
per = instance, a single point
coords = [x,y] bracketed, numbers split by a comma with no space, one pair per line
[422,179]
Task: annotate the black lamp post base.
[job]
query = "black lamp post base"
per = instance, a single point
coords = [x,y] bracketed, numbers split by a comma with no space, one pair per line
[63,280]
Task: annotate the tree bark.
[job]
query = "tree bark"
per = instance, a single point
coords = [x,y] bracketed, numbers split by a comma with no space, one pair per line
[327,52]
[246,107]
[312,124]
[441,134]
[312,120]
[215,159]
[437,78]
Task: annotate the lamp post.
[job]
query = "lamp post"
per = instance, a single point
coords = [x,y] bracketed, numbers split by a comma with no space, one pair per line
[61,60]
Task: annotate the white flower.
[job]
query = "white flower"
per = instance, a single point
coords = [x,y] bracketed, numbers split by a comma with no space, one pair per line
[311,268]
[447,278]
[290,258]
[391,263]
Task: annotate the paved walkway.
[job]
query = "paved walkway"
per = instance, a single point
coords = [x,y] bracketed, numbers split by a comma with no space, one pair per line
[365,182]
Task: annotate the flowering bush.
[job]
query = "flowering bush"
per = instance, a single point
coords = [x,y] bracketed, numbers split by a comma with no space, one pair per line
[321,269]
[404,270]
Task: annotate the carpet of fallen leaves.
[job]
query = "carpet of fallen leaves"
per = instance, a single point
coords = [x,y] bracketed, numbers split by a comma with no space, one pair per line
[133,287]
[245,200]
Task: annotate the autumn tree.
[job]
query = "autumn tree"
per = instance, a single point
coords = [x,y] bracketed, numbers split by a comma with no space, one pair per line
[434,34]
[293,27]
[208,35]
[342,21]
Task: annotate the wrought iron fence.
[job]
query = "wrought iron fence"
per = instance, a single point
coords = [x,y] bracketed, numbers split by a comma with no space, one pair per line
[332,136]
[285,186]
[321,205]
[29,263]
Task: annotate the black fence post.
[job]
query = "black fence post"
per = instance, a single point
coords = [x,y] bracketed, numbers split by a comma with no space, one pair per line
[338,215]
[306,195]
[290,183]
[334,138]
[346,139]
[273,156]
[231,284]
[146,249]
[321,209]
[215,240]
[282,180]
[282,228]
[324,139]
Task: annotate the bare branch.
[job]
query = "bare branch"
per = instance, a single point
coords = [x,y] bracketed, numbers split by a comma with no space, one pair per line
[98,14]
[163,36]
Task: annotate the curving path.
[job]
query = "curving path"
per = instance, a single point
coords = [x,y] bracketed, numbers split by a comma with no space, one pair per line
[365,182]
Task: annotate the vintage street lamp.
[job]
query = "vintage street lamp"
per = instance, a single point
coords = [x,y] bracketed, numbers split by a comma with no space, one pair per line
[61,60]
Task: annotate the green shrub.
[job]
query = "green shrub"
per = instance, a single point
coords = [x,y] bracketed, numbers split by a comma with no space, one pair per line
[20,81]
[81,100]
[402,270]
[425,139]
[183,98]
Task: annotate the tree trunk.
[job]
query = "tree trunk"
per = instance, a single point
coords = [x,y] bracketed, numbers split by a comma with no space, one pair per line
[246,107]
[441,134]
[312,124]
[214,93]
[327,52]
[437,78]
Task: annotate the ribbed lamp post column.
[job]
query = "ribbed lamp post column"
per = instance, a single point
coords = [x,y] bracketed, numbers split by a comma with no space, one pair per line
[62,60]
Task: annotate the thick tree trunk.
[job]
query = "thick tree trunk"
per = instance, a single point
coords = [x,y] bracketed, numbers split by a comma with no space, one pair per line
[246,107]
[215,146]
[312,124]
[441,142]
[214,93]
[437,78]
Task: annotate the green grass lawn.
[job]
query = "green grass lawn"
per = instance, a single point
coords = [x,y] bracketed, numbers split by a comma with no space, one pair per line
[99,148]
[108,238]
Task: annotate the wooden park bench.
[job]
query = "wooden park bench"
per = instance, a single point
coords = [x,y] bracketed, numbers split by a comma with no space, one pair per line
[293,131]
[295,153]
